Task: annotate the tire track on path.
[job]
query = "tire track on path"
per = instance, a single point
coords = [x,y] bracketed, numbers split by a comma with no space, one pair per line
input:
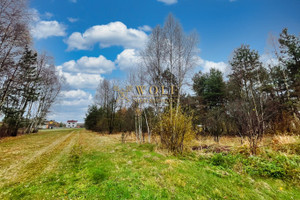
[15,170]
[54,163]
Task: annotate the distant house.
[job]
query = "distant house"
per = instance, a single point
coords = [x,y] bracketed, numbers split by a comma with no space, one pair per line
[52,124]
[71,124]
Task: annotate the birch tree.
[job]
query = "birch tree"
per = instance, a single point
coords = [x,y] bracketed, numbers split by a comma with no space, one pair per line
[169,51]
[106,98]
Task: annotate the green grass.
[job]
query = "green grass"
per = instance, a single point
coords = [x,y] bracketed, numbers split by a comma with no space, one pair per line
[100,167]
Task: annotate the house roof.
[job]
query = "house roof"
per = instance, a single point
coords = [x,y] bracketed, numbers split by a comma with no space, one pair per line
[71,121]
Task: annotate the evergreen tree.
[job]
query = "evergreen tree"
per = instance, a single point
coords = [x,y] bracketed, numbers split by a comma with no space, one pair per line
[290,59]
[211,87]
[23,90]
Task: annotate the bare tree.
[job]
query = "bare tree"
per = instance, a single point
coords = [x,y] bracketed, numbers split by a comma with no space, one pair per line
[180,52]
[106,98]
[169,51]
[14,36]
[137,79]
[153,59]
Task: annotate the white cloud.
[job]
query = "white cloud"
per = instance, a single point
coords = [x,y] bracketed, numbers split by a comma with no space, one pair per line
[127,59]
[45,29]
[85,73]
[207,65]
[74,94]
[75,98]
[145,28]
[73,1]
[80,80]
[77,102]
[72,20]
[42,29]
[112,34]
[232,0]
[73,104]
[168,2]
[269,60]
[91,65]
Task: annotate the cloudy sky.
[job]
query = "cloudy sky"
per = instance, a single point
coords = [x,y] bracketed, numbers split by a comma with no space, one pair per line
[94,39]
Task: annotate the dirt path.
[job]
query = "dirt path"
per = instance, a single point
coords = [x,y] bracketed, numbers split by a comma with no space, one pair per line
[25,157]
[66,150]
[42,158]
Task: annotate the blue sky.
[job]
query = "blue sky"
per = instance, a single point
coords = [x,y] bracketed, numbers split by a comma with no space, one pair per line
[93,39]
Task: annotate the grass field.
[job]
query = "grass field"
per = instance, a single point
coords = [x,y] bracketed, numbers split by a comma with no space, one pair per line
[78,164]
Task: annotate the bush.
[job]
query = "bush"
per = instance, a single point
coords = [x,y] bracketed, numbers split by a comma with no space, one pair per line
[269,165]
[175,129]
[265,168]
[223,160]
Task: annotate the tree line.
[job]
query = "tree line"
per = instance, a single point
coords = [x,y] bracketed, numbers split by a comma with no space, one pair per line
[29,82]
[255,99]
[168,57]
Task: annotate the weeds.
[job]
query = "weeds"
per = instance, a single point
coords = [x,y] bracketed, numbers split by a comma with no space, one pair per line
[225,161]
[270,165]
[98,175]
[74,158]
[101,167]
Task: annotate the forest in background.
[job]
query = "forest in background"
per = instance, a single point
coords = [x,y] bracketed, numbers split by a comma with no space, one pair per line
[255,99]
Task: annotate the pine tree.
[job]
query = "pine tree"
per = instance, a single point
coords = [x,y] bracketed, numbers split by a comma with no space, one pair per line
[24,90]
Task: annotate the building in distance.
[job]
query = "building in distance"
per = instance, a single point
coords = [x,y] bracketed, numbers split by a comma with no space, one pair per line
[71,124]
